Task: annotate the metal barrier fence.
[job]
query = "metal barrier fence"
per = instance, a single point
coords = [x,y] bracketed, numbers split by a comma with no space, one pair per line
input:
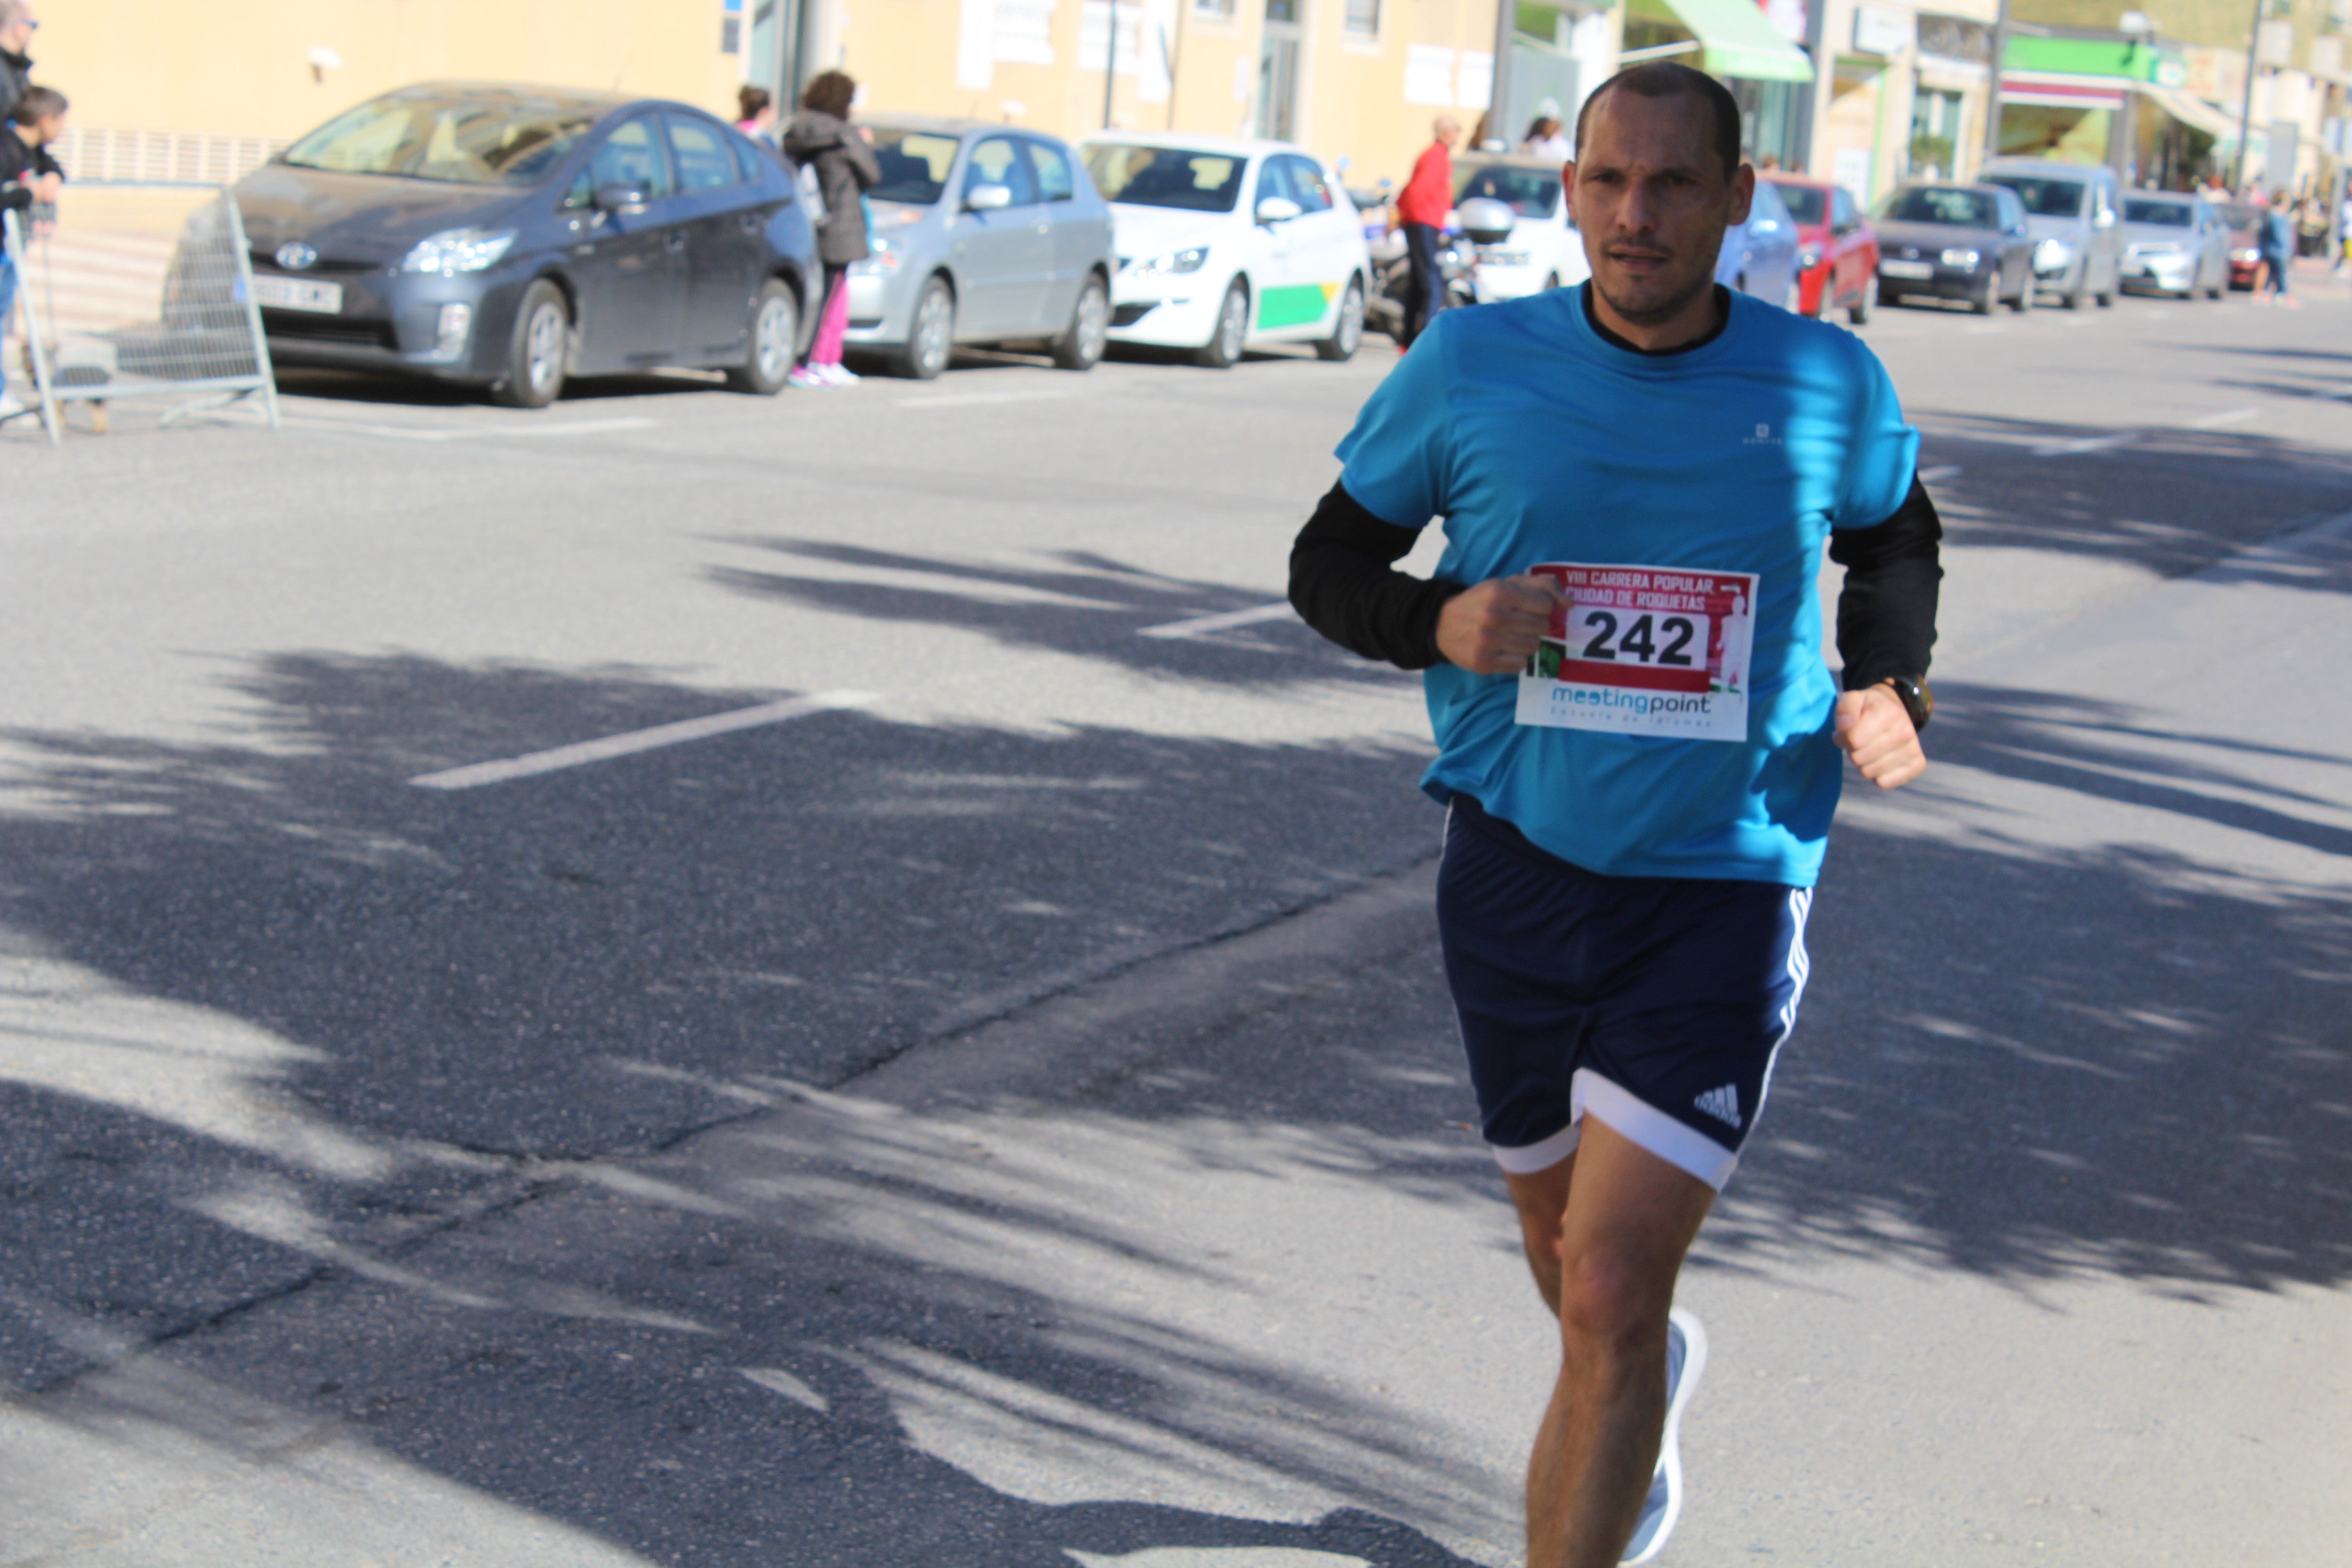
[206,341]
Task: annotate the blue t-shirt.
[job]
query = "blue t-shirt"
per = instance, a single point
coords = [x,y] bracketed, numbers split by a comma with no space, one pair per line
[1538,440]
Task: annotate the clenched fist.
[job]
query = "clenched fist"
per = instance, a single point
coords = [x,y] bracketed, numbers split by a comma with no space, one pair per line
[1493,628]
[1875,728]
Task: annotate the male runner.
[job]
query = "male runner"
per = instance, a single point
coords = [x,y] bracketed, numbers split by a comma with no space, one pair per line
[1637,734]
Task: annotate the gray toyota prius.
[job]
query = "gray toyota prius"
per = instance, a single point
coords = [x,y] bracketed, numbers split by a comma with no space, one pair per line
[514,237]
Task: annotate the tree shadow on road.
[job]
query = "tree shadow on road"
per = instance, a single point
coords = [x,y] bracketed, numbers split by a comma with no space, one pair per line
[304,1052]
[2173,501]
[1086,604]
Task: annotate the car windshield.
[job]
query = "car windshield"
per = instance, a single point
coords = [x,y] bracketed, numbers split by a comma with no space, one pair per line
[915,164]
[2171,215]
[462,141]
[1962,209]
[1166,177]
[2044,198]
[1806,204]
[2240,215]
[1530,193]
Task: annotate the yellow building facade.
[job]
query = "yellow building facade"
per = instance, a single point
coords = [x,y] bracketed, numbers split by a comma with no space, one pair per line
[167,91]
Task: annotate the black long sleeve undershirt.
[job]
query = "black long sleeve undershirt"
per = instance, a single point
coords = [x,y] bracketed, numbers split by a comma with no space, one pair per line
[1344,583]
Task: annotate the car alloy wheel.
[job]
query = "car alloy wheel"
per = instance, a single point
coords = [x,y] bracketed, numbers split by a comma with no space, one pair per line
[775,341]
[1224,346]
[1082,346]
[1347,329]
[1858,313]
[932,340]
[535,357]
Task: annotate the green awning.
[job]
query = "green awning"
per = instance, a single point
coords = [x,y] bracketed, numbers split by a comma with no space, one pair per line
[1733,39]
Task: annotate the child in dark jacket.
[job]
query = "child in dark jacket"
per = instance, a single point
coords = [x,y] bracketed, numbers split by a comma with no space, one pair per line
[30,178]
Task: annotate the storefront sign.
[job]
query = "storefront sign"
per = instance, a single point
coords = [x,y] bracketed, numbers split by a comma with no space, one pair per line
[1883,30]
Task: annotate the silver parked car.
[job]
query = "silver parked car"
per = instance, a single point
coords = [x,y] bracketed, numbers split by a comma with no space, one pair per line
[2071,211]
[2177,244]
[983,233]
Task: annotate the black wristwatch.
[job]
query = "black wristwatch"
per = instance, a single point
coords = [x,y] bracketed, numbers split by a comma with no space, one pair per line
[1917,699]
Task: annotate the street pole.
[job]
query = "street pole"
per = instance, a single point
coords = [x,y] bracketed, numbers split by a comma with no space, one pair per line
[1993,94]
[2246,110]
[1498,92]
[1110,61]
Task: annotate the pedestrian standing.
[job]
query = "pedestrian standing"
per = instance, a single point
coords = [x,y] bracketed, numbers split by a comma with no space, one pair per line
[1421,211]
[2344,231]
[1637,735]
[2276,242]
[755,112]
[18,25]
[821,138]
[1544,138]
[30,179]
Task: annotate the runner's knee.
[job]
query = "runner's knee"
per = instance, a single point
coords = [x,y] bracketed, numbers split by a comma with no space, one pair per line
[1612,1302]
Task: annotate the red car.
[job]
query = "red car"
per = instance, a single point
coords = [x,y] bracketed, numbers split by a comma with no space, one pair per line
[1837,252]
[2245,221]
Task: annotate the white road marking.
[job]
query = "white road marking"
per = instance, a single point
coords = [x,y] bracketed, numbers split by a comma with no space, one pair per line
[635,741]
[1940,471]
[2087,444]
[971,399]
[467,433]
[1200,625]
[2227,416]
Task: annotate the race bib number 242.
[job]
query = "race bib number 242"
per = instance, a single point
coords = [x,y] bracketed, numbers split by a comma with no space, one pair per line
[1644,651]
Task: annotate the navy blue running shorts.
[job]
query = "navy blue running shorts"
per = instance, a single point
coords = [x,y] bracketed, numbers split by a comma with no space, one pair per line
[1656,1003]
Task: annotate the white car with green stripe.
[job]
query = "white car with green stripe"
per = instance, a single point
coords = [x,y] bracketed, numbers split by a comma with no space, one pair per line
[1225,243]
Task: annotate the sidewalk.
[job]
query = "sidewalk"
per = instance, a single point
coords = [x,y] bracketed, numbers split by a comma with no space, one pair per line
[2041,1256]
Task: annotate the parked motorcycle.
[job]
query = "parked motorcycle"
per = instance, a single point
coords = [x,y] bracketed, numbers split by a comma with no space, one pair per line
[1457,263]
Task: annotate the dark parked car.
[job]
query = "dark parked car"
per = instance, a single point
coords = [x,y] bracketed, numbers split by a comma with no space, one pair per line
[513,236]
[1956,242]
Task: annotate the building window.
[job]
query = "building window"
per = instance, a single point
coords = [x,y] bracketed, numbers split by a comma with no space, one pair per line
[1214,10]
[1363,19]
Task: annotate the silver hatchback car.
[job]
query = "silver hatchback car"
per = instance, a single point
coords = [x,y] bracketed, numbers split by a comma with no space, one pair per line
[981,234]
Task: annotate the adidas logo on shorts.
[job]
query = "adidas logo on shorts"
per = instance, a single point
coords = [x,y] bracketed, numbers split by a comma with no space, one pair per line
[1723,1104]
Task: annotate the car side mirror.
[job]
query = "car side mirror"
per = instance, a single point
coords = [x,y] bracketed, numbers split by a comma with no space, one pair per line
[620,196]
[1277,209]
[988,198]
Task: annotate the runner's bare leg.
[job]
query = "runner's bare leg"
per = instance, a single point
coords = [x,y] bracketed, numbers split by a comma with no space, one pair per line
[1624,1224]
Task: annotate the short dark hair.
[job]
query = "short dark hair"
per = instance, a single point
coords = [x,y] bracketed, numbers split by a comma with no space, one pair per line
[749,100]
[832,92]
[38,103]
[1670,79]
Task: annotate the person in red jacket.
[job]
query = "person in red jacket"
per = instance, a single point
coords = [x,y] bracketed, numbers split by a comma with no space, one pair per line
[1420,212]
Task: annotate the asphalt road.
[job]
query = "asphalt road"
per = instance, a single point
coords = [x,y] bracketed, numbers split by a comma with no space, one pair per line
[999,1107]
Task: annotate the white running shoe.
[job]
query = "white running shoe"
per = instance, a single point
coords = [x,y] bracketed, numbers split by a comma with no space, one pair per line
[837,374]
[807,379]
[1686,1359]
[10,408]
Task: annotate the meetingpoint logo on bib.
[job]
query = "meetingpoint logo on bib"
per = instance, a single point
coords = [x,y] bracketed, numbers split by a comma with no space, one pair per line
[1644,651]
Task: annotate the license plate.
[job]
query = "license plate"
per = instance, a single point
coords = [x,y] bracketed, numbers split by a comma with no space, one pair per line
[294,294]
[1906,269]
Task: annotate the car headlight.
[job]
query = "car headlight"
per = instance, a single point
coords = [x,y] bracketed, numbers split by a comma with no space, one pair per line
[883,260]
[454,250]
[2248,253]
[2052,255]
[1187,260]
[1960,259]
[1808,259]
